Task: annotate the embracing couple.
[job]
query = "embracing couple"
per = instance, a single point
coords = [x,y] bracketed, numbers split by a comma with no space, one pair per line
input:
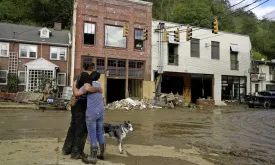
[87,116]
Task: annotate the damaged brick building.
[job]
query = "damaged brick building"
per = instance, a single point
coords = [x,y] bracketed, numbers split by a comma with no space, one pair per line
[124,62]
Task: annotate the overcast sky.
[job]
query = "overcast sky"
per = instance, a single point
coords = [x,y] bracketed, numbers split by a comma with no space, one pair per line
[260,11]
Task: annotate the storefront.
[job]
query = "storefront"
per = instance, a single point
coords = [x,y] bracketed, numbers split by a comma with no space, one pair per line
[233,88]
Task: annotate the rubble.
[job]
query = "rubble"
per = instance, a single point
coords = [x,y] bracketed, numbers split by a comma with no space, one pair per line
[165,100]
[130,104]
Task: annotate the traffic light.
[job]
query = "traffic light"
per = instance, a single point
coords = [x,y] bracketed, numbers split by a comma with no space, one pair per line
[145,34]
[165,35]
[177,35]
[125,30]
[215,26]
[188,33]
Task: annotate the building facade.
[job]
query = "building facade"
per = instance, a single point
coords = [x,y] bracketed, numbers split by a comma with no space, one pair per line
[33,53]
[262,76]
[208,66]
[124,62]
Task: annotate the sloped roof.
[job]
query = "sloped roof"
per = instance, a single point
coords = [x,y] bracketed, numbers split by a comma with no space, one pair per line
[41,64]
[31,34]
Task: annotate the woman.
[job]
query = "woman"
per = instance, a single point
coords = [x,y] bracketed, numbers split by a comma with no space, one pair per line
[77,133]
[94,117]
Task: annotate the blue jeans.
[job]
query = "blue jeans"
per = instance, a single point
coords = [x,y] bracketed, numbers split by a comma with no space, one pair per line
[95,129]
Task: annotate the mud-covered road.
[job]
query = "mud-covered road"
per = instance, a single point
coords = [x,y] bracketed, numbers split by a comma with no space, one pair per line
[161,137]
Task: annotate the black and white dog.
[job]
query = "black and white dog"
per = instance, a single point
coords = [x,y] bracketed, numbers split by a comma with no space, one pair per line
[118,132]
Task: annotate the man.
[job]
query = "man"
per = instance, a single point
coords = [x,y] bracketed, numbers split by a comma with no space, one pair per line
[94,117]
[77,133]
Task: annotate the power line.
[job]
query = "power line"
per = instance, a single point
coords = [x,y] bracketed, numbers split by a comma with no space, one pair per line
[268,13]
[244,7]
[258,5]
[237,4]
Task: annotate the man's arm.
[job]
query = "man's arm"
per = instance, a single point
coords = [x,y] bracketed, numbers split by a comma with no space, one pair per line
[92,89]
[77,92]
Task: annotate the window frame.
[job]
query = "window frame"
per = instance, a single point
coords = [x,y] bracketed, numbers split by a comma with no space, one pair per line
[58,53]
[126,45]
[61,73]
[195,39]
[6,77]
[24,78]
[235,61]
[28,51]
[8,48]
[212,56]
[143,42]
[93,23]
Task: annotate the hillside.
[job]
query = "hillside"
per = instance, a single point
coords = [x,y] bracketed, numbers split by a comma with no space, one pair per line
[193,12]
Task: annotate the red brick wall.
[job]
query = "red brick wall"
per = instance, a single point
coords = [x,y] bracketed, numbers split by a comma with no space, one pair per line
[4,61]
[45,54]
[113,12]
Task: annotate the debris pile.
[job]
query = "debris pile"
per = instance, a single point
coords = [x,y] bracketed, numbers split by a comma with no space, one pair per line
[170,100]
[164,100]
[130,104]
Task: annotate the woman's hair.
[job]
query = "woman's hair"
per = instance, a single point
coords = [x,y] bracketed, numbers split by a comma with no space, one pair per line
[95,75]
[88,66]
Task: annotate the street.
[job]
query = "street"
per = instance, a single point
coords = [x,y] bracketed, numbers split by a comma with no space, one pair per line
[162,136]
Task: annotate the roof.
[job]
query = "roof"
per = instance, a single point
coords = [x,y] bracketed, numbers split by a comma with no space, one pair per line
[178,24]
[41,64]
[31,34]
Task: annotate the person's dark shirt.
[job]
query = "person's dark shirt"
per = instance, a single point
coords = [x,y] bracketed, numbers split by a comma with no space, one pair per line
[81,79]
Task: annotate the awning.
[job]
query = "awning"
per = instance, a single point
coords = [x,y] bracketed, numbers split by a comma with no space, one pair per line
[234,47]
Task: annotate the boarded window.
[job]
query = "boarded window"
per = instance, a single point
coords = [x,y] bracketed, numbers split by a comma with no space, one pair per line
[195,47]
[215,50]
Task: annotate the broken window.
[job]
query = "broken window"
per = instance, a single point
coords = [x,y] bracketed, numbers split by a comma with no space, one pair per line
[116,67]
[215,50]
[100,65]
[136,69]
[89,33]
[172,54]
[139,43]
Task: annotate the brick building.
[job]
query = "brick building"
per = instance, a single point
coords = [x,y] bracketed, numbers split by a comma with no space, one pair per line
[32,52]
[124,62]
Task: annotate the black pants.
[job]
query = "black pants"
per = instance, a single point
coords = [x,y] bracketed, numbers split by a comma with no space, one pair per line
[77,133]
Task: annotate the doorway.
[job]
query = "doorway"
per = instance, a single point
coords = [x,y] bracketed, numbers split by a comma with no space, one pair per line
[115,90]
[201,87]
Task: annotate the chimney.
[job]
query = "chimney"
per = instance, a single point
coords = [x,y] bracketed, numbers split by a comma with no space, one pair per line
[57,26]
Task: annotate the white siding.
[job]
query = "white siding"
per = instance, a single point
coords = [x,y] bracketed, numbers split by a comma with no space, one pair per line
[262,84]
[204,64]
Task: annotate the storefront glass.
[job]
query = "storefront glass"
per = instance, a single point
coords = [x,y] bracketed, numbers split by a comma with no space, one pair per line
[233,88]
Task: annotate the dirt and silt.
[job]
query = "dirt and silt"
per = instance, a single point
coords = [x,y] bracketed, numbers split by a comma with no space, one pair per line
[161,136]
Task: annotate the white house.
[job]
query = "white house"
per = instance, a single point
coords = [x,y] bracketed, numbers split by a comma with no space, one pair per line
[262,76]
[209,66]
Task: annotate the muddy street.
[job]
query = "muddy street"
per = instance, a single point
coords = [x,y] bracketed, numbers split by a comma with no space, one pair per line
[160,137]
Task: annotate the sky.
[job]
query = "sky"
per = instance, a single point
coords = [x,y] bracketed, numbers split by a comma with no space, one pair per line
[261,11]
